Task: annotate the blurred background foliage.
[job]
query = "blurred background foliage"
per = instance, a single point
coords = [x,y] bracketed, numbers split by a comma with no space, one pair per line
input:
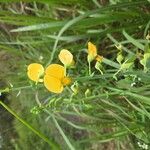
[106,114]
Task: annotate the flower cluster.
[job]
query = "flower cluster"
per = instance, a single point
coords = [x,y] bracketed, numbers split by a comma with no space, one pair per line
[54,76]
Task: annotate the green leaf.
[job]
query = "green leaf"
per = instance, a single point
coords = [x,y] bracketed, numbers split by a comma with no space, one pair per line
[144,61]
[111,63]
[119,58]
[133,41]
[128,63]
[39,26]
[125,66]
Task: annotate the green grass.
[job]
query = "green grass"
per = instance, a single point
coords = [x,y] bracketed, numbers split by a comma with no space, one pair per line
[109,110]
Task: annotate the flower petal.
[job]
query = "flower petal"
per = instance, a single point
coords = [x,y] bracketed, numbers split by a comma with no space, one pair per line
[65,57]
[53,84]
[92,51]
[55,70]
[35,70]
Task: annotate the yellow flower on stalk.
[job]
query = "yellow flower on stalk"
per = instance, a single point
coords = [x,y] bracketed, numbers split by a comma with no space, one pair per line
[66,58]
[55,79]
[35,71]
[92,53]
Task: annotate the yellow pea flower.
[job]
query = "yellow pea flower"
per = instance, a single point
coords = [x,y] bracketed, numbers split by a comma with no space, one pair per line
[66,58]
[92,51]
[55,79]
[92,55]
[35,71]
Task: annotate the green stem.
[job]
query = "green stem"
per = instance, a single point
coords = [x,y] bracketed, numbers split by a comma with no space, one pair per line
[141,98]
[101,71]
[89,69]
[37,99]
[6,90]
[63,134]
[51,144]
[114,76]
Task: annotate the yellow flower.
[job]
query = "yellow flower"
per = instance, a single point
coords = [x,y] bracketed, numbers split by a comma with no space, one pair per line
[66,58]
[35,71]
[92,52]
[55,79]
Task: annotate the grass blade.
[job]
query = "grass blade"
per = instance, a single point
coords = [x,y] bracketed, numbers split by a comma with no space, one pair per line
[133,41]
